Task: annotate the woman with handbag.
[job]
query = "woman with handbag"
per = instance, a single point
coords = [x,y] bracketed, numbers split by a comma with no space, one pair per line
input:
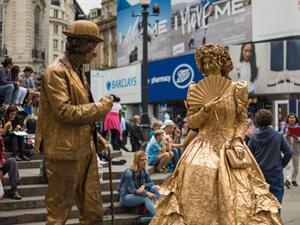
[217,180]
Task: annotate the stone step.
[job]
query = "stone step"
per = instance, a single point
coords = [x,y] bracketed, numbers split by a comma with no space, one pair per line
[114,154]
[30,176]
[38,216]
[120,219]
[8,205]
[36,164]
[29,164]
[40,189]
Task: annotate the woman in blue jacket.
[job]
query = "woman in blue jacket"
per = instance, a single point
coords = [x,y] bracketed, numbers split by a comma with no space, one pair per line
[136,186]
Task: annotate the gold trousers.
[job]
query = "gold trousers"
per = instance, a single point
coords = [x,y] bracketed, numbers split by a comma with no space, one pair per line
[73,180]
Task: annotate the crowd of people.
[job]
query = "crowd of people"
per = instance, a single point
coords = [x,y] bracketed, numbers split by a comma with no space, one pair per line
[18,95]
[276,152]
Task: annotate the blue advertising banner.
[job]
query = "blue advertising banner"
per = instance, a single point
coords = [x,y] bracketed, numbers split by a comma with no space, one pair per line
[130,31]
[169,79]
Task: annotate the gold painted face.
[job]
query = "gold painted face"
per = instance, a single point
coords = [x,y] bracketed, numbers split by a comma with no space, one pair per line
[206,65]
[90,55]
[209,67]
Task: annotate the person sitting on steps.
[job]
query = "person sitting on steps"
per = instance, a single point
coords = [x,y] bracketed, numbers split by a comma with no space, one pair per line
[9,166]
[136,187]
[15,142]
[158,153]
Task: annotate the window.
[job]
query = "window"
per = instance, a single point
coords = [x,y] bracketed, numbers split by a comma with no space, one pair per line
[55,44]
[55,28]
[63,15]
[55,13]
[37,19]
[55,2]
[62,46]
[55,56]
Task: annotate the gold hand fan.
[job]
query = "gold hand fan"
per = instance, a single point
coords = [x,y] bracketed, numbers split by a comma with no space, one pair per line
[211,87]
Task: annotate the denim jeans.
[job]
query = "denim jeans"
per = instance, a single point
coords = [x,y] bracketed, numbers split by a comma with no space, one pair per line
[177,155]
[7,91]
[132,200]
[276,184]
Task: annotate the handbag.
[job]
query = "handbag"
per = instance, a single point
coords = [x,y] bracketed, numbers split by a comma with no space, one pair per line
[237,163]
[234,161]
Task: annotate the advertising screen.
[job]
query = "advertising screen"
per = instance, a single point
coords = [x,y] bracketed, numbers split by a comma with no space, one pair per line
[181,26]
[275,19]
[197,22]
[269,67]
[130,32]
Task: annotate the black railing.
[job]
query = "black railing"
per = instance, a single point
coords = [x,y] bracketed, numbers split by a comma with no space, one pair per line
[38,54]
[55,2]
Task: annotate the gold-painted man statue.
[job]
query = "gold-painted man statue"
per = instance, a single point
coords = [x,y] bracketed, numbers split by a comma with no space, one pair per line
[65,130]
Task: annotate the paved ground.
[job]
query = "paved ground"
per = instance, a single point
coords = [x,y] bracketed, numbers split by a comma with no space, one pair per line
[291,206]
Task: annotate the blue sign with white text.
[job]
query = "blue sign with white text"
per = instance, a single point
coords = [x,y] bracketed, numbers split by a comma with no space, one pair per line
[169,79]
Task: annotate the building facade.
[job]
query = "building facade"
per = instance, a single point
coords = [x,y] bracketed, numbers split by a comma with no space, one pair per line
[23,32]
[61,14]
[106,51]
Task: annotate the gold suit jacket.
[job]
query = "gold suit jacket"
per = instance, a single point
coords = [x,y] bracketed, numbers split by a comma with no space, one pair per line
[66,114]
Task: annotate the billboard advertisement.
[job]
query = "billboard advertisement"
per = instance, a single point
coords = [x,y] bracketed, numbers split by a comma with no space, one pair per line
[169,79]
[197,22]
[181,26]
[130,32]
[124,82]
[269,67]
[275,19]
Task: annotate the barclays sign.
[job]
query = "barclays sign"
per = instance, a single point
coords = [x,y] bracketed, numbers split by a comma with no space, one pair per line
[124,82]
[121,83]
[169,79]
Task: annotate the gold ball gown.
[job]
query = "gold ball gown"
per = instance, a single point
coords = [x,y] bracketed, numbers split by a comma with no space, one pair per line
[204,189]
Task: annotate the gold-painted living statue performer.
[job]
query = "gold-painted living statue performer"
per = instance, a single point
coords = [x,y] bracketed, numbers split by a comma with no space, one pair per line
[217,181]
[65,131]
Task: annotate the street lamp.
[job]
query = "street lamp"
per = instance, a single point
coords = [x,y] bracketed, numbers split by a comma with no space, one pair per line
[144,14]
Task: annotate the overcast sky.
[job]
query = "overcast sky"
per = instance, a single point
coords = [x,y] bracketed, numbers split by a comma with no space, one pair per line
[86,5]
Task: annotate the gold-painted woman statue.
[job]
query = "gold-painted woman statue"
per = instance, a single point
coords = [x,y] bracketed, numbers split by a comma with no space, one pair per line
[206,188]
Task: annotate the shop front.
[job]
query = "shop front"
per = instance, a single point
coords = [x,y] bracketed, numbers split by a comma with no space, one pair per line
[168,82]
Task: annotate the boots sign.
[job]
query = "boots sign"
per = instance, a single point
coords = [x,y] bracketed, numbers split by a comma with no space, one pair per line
[169,79]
